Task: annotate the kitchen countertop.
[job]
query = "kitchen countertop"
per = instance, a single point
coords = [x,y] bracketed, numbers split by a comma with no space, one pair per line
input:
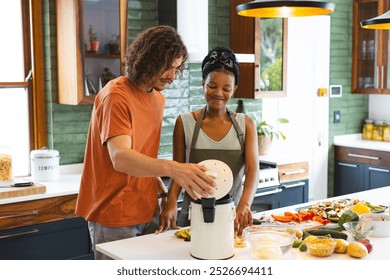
[166,246]
[287,157]
[67,184]
[356,141]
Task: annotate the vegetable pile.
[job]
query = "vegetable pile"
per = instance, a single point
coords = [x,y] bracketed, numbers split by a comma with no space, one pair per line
[299,217]
[330,211]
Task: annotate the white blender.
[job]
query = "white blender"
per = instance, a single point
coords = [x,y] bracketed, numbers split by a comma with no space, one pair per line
[212,218]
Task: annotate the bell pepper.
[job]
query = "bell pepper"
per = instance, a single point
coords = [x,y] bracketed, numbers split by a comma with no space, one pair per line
[283,219]
[320,220]
[305,215]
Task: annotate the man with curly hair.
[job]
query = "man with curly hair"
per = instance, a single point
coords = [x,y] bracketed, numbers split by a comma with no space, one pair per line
[120,183]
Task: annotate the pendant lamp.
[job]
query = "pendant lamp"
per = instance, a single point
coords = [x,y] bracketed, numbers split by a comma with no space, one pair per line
[281,8]
[379,22]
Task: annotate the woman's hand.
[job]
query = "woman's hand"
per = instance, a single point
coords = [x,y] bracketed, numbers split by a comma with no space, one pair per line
[243,218]
[168,216]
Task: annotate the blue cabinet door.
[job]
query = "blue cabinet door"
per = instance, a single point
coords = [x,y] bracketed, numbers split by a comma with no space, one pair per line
[266,199]
[294,193]
[348,177]
[377,177]
[59,240]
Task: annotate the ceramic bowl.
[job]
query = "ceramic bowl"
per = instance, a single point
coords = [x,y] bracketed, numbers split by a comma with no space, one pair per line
[381,223]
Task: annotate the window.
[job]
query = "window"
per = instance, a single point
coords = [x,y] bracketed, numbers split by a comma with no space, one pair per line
[22,117]
[271,56]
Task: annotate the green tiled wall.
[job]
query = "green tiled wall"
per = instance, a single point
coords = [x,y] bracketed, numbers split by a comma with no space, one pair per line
[353,107]
[68,125]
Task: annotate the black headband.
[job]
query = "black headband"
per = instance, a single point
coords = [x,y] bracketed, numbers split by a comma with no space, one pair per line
[218,60]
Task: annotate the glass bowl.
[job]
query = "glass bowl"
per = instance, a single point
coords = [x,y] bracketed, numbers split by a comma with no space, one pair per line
[321,246]
[358,230]
[269,244]
[381,223]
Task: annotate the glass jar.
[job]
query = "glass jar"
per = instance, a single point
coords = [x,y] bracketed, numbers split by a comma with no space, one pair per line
[368,128]
[386,132]
[5,164]
[377,133]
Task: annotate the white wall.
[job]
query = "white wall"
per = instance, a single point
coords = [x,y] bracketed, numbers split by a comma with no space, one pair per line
[193,26]
[379,107]
[307,70]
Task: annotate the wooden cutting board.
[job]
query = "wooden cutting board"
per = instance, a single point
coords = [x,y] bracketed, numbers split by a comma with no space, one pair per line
[21,191]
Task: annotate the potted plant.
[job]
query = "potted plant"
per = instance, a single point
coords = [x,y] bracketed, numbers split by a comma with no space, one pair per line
[266,134]
[93,40]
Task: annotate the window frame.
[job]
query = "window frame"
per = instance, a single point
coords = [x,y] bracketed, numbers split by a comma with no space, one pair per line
[33,38]
[269,93]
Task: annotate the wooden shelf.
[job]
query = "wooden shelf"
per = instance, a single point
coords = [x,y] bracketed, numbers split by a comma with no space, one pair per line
[103,55]
[71,56]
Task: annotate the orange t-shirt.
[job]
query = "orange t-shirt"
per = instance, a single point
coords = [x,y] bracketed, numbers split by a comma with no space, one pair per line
[107,196]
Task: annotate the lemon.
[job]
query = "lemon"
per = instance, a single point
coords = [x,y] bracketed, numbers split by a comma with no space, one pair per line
[360,208]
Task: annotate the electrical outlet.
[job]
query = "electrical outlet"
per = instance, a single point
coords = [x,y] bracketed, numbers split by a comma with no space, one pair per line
[336,116]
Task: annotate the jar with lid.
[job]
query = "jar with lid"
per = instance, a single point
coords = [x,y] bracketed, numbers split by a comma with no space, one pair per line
[377,133]
[368,128]
[44,164]
[386,132]
[5,163]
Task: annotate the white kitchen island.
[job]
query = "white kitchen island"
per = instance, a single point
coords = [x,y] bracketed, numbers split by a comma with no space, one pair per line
[166,246]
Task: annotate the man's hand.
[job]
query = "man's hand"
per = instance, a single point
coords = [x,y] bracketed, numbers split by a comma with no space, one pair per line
[192,178]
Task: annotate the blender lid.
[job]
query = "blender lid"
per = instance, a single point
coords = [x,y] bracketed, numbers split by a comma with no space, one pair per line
[221,174]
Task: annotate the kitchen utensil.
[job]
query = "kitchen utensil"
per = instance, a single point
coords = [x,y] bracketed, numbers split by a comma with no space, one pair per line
[221,173]
[21,191]
[16,183]
[212,218]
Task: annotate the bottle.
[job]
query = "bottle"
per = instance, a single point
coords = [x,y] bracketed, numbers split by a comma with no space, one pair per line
[240,107]
[5,164]
[386,132]
[368,129]
[377,133]
[364,49]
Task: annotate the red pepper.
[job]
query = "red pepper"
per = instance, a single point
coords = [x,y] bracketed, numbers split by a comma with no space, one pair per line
[283,219]
[305,215]
[319,219]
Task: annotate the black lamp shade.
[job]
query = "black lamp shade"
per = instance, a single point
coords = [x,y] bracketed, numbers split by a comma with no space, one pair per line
[280,8]
[379,22]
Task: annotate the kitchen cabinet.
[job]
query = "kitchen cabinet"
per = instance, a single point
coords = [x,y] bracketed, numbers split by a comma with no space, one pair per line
[266,199]
[294,182]
[43,229]
[293,188]
[370,63]
[294,193]
[267,40]
[360,169]
[59,240]
[376,177]
[348,177]
[81,60]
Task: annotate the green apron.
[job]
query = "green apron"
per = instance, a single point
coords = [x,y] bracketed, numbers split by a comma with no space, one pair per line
[235,159]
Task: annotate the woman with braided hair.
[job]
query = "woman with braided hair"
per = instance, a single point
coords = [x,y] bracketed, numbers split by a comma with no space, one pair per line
[214,132]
